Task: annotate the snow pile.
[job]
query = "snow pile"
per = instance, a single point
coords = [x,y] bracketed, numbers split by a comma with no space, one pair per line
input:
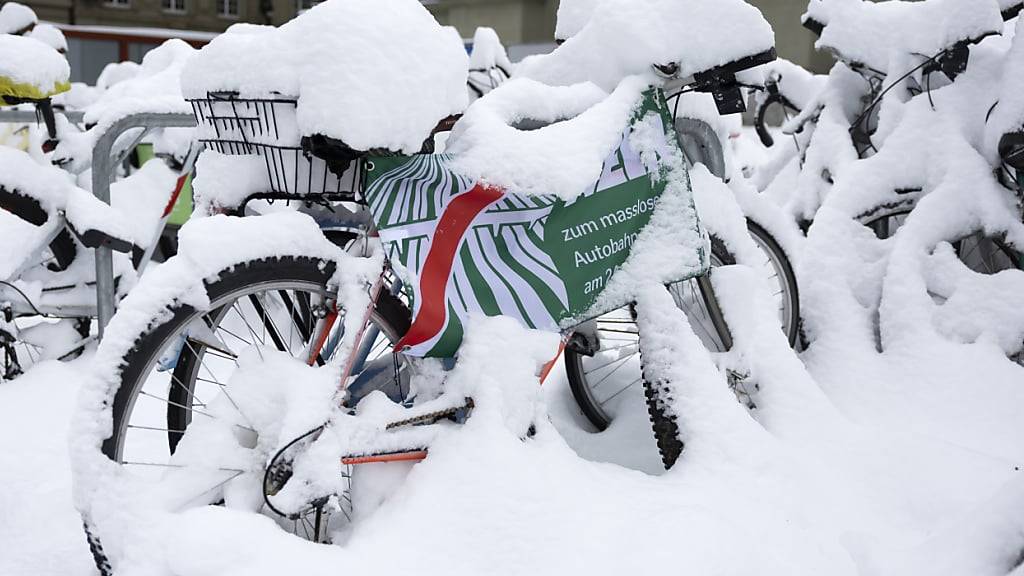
[116,72]
[489,66]
[153,86]
[488,51]
[31,69]
[351,64]
[873,34]
[16,18]
[51,36]
[224,181]
[626,37]
[565,157]
[573,15]
[45,538]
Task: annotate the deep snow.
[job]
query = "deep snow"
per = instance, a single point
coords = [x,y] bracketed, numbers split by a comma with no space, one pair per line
[903,461]
[855,461]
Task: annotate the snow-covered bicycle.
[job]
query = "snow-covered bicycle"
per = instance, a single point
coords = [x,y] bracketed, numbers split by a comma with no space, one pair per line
[50,225]
[840,118]
[368,264]
[602,357]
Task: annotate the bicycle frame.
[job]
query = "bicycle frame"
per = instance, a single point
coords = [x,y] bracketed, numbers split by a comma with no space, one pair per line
[699,143]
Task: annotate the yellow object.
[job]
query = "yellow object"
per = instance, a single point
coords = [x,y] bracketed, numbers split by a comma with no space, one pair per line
[26,91]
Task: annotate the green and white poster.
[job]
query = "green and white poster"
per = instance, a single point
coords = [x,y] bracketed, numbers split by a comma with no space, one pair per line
[466,247]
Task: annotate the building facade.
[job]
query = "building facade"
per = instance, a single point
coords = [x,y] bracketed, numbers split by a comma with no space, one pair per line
[102,31]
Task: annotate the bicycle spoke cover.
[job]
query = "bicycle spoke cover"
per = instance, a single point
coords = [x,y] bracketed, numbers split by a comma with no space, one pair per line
[465,247]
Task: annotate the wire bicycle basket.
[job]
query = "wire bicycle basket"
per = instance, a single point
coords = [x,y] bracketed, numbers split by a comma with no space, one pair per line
[267,127]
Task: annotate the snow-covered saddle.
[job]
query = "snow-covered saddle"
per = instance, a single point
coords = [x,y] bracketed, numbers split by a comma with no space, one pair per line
[30,70]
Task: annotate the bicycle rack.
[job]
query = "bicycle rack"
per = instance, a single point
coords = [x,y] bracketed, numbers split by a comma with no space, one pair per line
[30,116]
[104,164]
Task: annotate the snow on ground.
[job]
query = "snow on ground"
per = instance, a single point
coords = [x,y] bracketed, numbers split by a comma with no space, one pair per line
[854,462]
[40,530]
[903,454]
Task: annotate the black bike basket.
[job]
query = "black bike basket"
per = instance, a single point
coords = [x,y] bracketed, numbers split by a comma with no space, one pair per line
[267,127]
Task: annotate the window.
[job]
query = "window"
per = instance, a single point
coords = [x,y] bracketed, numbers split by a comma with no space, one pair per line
[136,50]
[303,5]
[227,8]
[88,57]
[117,3]
[174,6]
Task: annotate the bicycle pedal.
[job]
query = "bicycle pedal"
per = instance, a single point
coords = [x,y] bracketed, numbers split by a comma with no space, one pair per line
[743,387]
[279,469]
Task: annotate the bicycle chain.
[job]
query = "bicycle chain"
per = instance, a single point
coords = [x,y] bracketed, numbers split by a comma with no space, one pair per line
[431,417]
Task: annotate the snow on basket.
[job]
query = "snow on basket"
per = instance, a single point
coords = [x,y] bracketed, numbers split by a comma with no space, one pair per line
[343,70]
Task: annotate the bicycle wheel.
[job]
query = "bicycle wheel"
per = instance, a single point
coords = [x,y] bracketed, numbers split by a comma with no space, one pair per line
[27,340]
[980,252]
[986,254]
[602,374]
[779,271]
[178,365]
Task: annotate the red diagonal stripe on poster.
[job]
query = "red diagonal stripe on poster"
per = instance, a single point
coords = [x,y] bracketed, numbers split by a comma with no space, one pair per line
[437,268]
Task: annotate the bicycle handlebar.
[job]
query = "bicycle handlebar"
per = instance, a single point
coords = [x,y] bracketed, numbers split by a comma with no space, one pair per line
[814,26]
[1012,11]
[774,97]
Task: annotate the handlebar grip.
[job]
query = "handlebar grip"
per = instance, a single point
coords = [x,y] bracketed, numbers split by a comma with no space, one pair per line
[45,108]
[759,126]
[774,97]
[814,26]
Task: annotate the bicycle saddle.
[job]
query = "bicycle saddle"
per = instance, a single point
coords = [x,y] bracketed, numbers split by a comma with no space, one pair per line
[339,156]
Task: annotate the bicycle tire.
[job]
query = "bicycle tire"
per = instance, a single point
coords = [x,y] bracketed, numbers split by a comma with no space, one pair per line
[1001,255]
[657,394]
[582,390]
[140,358]
[233,283]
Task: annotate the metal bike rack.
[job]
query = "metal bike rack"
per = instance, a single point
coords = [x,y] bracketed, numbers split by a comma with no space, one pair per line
[103,171]
[30,116]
